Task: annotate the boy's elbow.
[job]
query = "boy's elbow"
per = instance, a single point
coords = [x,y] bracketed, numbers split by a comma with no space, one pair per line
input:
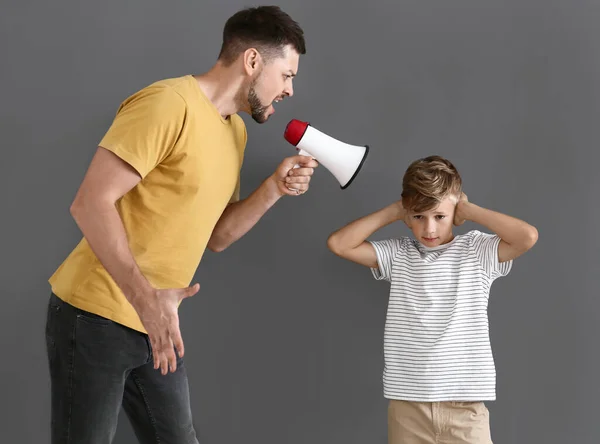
[333,245]
[532,237]
[336,248]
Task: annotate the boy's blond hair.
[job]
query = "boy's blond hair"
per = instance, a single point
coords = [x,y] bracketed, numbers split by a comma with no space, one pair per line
[428,181]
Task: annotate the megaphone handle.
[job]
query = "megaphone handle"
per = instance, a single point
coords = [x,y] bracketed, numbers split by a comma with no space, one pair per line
[301,152]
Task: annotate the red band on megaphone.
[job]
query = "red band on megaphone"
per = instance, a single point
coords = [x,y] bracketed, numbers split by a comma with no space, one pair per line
[294,131]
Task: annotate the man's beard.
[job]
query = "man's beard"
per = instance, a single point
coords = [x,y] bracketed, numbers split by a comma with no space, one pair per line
[258,111]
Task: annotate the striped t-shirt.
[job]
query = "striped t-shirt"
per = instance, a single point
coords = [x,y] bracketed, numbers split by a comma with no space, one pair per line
[436,341]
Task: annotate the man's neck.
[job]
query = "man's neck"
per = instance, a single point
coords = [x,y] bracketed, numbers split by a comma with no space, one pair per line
[223,87]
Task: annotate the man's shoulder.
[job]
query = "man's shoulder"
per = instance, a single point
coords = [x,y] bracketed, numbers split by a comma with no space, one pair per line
[160,95]
[238,122]
[239,127]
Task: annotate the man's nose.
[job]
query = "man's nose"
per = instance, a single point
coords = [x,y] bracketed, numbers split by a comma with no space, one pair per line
[289,90]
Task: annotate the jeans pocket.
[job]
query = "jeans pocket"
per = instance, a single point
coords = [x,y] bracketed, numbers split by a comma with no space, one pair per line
[91,318]
[52,311]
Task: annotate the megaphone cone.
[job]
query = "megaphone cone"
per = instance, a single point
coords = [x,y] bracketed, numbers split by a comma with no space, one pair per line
[343,160]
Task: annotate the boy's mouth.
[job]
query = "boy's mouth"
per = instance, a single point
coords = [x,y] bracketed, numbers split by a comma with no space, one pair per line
[430,239]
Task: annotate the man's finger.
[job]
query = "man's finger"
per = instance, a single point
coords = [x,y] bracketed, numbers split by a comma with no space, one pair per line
[172,360]
[297,179]
[301,160]
[297,189]
[176,337]
[191,291]
[164,364]
[301,172]
[155,351]
[168,355]
[162,342]
[313,163]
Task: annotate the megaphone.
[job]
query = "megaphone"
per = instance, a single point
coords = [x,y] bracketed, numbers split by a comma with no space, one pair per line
[344,161]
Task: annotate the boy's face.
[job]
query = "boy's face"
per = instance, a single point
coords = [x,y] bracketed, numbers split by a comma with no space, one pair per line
[433,227]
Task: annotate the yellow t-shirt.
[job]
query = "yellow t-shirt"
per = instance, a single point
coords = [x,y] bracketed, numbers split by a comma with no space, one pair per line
[189,158]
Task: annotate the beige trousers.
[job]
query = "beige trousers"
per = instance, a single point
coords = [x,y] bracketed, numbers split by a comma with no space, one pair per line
[449,422]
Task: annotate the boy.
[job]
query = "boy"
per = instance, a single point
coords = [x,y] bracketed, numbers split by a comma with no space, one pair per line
[439,367]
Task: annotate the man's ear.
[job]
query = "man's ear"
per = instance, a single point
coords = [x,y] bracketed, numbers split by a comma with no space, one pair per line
[252,61]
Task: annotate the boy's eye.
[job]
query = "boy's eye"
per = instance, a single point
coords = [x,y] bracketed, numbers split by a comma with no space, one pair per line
[440,216]
[417,216]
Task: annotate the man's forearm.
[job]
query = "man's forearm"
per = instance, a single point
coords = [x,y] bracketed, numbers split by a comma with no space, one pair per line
[239,217]
[356,232]
[511,230]
[103,229]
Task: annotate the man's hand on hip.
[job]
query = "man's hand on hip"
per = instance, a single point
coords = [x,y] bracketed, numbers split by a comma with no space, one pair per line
[158,312]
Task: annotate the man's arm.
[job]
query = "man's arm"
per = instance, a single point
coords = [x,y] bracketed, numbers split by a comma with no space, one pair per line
[240,217]
[107,179]
[350,241]
[517,236]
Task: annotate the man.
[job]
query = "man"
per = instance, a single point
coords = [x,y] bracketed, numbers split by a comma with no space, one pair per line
[162,186]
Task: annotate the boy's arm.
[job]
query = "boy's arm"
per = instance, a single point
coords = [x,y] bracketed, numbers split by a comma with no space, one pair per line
[517,236]
[349,242]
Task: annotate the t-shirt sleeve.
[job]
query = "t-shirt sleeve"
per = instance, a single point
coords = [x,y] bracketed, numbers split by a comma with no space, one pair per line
[486,250]
[146,128]
[242,139]
[235,197]
[385,251]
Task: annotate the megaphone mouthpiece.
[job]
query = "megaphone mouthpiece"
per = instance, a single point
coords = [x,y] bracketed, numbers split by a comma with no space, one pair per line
[294,131]
[343,160]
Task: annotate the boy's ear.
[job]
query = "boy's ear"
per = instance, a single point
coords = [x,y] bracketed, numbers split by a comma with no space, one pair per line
[407,220]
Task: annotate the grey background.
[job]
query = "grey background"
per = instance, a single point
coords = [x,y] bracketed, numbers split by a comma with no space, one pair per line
[284,341]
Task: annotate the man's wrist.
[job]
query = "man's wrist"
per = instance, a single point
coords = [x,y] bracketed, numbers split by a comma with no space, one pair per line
[139,290]
[270,190]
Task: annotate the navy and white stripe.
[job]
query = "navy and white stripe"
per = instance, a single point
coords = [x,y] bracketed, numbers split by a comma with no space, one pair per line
[436,342]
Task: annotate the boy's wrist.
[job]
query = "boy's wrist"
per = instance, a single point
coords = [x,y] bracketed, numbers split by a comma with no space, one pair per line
[397,211]
[465,210]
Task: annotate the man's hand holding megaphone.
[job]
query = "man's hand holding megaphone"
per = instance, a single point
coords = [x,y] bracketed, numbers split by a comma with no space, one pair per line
[293,175]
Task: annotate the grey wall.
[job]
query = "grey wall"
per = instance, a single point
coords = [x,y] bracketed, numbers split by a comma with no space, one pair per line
[284,341]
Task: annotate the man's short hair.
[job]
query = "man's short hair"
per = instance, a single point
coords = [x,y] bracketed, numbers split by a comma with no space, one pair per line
[266,28]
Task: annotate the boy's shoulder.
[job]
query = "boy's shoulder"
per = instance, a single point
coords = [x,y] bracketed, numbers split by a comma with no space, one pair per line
[474,236]
[394,243]
[468,243]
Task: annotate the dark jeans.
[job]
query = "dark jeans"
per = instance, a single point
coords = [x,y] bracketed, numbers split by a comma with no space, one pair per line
[97,366]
